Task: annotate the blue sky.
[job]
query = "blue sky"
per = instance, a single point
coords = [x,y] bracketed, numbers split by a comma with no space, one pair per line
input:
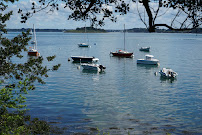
[58,19]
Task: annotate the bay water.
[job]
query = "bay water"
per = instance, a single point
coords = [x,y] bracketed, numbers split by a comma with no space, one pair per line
[126,98]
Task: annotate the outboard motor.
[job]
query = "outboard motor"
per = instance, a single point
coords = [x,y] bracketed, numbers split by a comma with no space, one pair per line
[172,74]
[102,67]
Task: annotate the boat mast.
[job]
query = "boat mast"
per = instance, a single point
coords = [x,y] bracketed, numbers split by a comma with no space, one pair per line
[124,38]
[86,36]
[85,33]
[35,43]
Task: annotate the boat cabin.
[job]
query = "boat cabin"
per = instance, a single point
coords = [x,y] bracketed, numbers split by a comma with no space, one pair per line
[149,57]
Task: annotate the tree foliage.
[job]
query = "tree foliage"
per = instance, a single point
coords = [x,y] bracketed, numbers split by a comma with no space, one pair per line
[94,10]
[190,10]
[16,78]
[98,10]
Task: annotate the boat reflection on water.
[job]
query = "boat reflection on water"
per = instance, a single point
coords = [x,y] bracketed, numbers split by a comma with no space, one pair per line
[144,66]
[92,71]
[167,80]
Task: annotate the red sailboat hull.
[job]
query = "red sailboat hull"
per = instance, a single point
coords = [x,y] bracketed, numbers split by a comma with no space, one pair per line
[122,54]
[33,53]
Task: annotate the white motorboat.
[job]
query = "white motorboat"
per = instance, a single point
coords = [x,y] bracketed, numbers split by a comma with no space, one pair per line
[93,67]
[149,60]
[146,49]
[168,73]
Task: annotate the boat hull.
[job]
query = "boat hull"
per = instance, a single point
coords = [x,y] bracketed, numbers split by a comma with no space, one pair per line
[122,54]
[33,53]
[146,49]
[83,45]
[148,62]
[93,67]
[84,59]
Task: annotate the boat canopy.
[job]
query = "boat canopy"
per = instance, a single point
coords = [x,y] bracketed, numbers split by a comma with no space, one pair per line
[149,56]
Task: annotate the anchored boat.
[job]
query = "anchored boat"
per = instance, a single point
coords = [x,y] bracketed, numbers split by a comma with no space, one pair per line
[146,49]
[84,59]
[168,73]
[93,67]
[33,50]
[84,44]
[149,60]
[122,53]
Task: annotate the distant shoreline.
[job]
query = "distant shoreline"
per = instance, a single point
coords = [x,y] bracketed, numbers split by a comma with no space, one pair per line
[134,30]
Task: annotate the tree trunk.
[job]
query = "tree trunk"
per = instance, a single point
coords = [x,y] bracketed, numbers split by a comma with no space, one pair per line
[149,13]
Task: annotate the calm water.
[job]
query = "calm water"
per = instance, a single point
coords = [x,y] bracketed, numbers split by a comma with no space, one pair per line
[127,97]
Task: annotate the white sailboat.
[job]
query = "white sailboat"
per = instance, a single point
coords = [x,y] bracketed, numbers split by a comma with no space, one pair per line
[33,36]
[84,44]
[33,50]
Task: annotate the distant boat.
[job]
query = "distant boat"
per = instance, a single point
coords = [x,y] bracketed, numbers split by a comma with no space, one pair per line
[84,44]
[168,73]
[93,67]
[33,36]
[33,50]
[146,49]
[84,59]
[149,60]
[122,53]
[31,33]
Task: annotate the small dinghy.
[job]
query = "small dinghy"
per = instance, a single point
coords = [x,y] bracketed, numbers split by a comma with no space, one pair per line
[168,73]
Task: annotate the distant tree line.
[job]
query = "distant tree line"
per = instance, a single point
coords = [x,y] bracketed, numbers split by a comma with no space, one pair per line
[143,30]
[87,30]
[95,30]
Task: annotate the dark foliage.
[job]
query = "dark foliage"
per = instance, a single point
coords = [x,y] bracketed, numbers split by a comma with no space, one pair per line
[16,79]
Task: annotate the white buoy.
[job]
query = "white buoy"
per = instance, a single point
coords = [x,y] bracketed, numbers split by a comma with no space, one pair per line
[155,73]
[78,67]
[68,59]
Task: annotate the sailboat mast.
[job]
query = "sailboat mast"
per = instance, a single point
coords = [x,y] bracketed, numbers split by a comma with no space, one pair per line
[35,43]
[124,38]
[85,33]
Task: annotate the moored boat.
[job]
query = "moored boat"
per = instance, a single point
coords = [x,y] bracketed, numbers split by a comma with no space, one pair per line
[146,49]
[93,67]
[122,53]
[83,45]
[84,59]
[149,60]
[168,73]
[33,50]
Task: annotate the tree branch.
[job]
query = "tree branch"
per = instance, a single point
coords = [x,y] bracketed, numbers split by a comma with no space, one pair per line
[141,17]
[88,9]
[171,28]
